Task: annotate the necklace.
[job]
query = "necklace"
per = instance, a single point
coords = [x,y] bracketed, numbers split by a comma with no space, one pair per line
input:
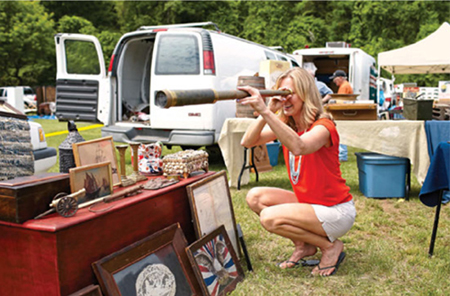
[295,172]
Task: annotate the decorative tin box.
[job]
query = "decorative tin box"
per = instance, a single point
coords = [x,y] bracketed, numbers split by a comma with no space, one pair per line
[185,162]
[24,198]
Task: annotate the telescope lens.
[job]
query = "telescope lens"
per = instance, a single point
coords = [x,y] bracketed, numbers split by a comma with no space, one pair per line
[161,99]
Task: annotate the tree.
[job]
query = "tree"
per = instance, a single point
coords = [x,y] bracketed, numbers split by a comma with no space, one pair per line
[102,14]
[27,51]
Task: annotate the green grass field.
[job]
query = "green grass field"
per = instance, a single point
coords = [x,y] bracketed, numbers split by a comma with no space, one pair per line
[387,248]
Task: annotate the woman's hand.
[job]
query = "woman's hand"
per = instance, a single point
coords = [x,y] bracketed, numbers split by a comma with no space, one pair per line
[255,100]
[276,103]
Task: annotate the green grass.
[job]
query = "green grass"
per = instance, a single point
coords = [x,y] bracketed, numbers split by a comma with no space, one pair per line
[387,248]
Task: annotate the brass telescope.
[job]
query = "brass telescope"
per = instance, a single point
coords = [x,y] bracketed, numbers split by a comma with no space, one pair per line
[171,98]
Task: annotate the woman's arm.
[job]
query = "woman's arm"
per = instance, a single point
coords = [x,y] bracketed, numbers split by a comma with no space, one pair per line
[257,133]
[268,127]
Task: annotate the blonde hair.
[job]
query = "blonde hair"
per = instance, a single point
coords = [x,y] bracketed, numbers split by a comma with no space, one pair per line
[305,87]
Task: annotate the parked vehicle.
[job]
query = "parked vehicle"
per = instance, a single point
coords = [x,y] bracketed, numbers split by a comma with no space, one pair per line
[29,96]
[359,66]
[175,57]
[44,156]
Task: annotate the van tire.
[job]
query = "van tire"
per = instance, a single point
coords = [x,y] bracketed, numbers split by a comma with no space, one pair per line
[190,147]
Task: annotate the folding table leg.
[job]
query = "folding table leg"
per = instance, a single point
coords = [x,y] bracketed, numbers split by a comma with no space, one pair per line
[245,166]
[436,222]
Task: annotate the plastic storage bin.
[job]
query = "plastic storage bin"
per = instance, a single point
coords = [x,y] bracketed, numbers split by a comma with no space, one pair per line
[273,149]
[383,176]
[417,109]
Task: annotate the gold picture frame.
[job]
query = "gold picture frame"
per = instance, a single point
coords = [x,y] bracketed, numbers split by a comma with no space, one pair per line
[96,179]
[96,151]
[211,206]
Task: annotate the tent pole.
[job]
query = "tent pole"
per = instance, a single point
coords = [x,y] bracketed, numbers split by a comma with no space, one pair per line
[378,85]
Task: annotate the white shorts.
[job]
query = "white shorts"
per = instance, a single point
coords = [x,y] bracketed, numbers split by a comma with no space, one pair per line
[336,220]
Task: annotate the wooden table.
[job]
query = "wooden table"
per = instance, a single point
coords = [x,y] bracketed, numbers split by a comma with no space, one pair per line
[53,255]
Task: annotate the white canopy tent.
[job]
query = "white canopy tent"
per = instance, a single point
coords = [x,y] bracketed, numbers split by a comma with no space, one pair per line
[429,55]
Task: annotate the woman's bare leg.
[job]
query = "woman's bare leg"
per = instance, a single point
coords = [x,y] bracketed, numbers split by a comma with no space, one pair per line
[259,198]
[299,223]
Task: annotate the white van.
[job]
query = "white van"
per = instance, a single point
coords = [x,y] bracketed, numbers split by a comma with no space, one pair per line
[174,57]
[359,66]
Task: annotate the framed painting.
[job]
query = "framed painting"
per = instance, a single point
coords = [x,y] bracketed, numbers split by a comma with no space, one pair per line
[155,265]
[96,151]
[211,207]
[215,263]
[95,178]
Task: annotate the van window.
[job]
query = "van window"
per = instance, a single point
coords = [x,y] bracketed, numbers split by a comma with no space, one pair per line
[178,55]
[28,91]
[270,56]
[81,57]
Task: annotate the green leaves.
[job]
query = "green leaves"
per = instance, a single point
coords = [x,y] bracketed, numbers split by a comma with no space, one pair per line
[27,27]
[26,35]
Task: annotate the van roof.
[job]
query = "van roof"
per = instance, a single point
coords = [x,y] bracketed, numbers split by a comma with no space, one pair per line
[328,50]
[187,25]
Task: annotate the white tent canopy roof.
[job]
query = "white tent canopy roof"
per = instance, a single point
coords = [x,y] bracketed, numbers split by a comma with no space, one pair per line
[429,55]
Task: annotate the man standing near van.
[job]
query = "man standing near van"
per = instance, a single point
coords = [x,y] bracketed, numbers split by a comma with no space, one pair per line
[324,90]
[340,79]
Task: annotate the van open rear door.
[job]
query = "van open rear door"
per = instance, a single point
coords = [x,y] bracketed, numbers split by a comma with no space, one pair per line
[81,79]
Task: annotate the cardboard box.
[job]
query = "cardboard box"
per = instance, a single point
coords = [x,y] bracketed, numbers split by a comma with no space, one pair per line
[271,70]
[24,198]
[352,111]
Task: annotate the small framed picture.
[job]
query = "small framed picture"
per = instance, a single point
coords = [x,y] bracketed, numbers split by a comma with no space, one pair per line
[215,263]
[211,207]
[155,265]
[96,151]
[96,179]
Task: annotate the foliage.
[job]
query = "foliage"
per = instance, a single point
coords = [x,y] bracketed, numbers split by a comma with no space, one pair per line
[27,53]
[102,14]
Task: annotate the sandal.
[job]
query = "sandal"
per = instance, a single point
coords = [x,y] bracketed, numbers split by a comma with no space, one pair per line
[294,264]
[340,259]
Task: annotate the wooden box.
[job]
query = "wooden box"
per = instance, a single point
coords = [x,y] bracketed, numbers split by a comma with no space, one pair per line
[352,111]
[24,198]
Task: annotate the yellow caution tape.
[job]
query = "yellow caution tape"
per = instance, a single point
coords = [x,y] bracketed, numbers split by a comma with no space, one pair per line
[80,129]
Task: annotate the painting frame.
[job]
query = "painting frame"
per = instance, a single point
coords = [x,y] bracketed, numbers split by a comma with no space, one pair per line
[95,151]
[116,272]
[213,193]
[100,173]
[206,254]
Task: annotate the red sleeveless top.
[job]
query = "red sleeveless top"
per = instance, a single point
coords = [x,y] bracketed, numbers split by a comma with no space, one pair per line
[316,178]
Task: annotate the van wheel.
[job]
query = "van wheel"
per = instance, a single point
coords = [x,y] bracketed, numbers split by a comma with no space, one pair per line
[214,154]
[190,147]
